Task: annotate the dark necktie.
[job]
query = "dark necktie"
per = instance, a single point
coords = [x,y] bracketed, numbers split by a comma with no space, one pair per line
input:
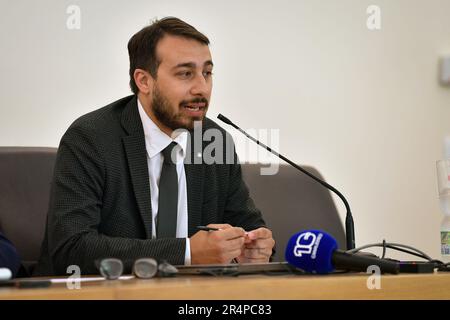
[168,196]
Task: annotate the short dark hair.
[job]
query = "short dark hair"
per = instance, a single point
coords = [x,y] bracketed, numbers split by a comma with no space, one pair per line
[142,46]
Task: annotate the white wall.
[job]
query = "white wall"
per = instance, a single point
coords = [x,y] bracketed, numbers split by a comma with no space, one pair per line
[364,107]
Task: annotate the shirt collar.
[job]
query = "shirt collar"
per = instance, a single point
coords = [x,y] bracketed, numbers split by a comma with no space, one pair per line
[156,140]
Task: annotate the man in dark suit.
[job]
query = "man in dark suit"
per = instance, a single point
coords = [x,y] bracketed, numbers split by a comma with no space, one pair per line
[128,183]
[8,255]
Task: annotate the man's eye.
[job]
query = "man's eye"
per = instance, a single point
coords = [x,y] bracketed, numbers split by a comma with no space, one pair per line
[184,74]
[207,73]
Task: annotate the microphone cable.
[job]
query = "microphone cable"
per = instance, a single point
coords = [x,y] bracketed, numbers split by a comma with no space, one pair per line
[402,248]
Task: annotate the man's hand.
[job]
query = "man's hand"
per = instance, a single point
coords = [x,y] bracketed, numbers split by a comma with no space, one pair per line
[257,247]
[221,246]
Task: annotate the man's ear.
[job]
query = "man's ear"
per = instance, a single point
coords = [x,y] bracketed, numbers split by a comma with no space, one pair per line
[144,81]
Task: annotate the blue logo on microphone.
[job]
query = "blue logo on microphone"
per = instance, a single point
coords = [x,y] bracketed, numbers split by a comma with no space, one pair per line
[307,243]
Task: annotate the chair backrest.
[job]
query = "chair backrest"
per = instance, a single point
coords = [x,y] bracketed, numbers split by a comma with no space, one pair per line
[25,178]
[291,202]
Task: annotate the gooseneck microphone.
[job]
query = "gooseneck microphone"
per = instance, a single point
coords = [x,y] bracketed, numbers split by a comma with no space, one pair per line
[316,252]
[349,224]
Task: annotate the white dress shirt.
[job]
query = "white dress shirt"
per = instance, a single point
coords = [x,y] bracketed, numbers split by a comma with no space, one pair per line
[155,142]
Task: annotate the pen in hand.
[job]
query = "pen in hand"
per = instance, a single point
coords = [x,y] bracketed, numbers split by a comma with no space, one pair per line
[205,228]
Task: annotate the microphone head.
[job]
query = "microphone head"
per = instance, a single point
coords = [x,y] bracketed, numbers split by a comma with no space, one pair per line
[224,119]
[311,251]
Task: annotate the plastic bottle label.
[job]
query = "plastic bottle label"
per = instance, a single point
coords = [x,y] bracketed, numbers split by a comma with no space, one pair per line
[445,243]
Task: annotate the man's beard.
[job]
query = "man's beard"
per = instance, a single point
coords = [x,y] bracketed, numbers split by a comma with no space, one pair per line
[174,119]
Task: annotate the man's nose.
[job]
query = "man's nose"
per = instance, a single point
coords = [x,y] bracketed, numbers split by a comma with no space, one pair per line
[200,86]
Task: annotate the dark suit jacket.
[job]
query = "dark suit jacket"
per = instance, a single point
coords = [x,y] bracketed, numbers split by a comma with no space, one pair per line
[100,202]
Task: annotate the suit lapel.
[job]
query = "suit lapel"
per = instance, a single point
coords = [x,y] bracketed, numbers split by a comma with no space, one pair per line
[137,162]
